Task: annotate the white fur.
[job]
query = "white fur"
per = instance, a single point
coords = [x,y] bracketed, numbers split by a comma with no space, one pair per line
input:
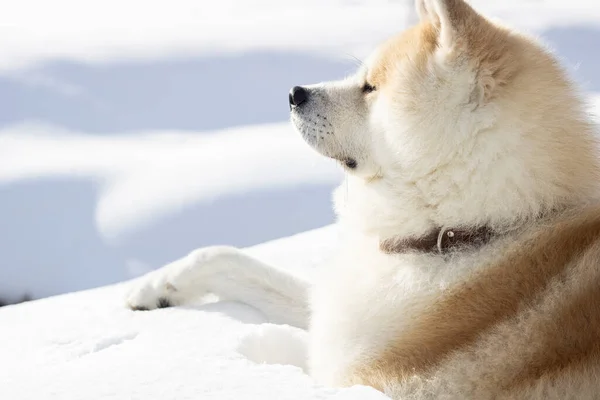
[231,275]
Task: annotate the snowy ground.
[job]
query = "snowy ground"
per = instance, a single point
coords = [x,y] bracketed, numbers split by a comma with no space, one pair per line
[88,346]
[133,132]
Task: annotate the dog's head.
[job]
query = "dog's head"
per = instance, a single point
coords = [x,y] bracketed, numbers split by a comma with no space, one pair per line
[456,120]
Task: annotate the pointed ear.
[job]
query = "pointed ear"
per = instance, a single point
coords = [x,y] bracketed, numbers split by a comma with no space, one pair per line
[451,17]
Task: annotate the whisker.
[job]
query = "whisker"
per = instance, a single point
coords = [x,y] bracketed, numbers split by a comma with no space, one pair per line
[356,60]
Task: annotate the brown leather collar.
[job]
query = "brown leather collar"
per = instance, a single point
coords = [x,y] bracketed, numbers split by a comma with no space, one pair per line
[441,240]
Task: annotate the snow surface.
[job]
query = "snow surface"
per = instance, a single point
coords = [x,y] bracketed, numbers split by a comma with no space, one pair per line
[89,346]
[132,133]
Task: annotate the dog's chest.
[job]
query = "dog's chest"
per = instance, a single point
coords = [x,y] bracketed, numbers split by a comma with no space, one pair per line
[364,300]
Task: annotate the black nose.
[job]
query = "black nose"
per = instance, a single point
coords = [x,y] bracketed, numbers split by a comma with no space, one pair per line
[298,95]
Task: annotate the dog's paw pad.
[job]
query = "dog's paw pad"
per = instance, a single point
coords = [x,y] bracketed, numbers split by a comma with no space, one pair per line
[138,308]
[163,302]
[149,294]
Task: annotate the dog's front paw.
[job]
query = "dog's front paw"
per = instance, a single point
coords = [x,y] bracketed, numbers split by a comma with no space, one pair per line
[180,281]
[152,291]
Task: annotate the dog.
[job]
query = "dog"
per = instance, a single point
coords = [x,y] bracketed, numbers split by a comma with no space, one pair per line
[469,263]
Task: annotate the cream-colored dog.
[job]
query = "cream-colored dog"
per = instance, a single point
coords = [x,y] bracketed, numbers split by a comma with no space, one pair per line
[470,263]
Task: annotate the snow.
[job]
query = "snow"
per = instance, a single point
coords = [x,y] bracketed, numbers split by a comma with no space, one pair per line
[244,156]
[88,345]
[133,132]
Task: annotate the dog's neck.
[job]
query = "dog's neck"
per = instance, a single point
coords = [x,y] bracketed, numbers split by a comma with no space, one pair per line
[404,216]
[441,240]
[445,240]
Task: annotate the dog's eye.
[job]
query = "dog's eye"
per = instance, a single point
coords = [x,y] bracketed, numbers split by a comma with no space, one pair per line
[368,88]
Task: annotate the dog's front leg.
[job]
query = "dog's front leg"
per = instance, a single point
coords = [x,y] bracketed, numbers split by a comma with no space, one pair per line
[230,274]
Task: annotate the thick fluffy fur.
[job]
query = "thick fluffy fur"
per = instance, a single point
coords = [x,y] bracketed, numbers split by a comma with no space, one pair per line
[455,122]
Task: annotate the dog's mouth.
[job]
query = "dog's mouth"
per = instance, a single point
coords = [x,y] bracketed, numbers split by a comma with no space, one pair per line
[317,135]
[311,131]
[349,163]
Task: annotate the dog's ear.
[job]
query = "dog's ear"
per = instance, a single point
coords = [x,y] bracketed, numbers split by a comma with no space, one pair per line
[452,19]
[461,30]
